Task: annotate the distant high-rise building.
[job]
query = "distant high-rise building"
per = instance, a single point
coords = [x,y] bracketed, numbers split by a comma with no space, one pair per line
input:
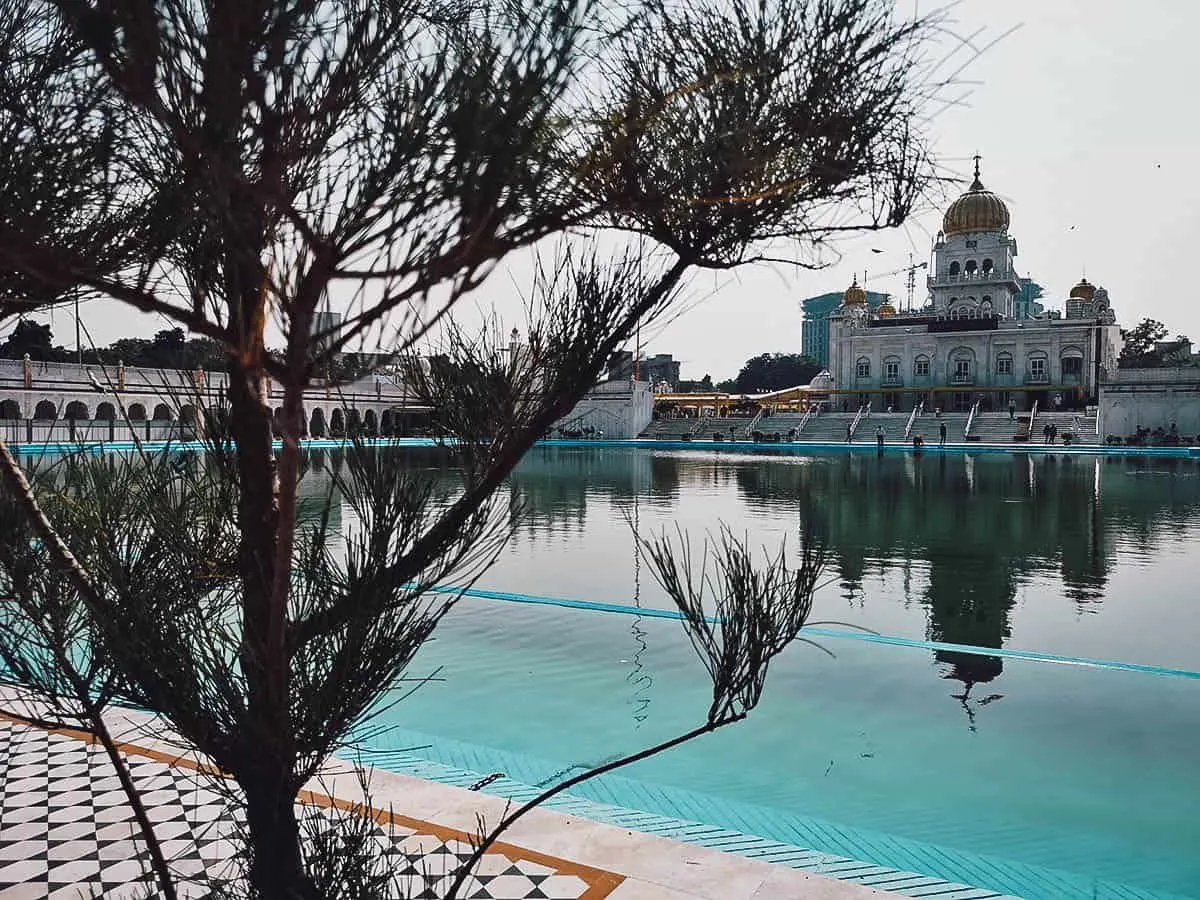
[660,367]
[814,333]
[1025,305]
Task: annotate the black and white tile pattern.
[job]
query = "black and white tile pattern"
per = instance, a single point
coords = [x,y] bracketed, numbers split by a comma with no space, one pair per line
[66,831]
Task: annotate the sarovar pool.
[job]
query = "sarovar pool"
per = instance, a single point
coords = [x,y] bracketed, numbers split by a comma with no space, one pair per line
[1058,759]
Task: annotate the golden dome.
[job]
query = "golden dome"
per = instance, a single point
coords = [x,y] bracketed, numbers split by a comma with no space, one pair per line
[1085,290]
[886,310]
[976,210]
[854,296]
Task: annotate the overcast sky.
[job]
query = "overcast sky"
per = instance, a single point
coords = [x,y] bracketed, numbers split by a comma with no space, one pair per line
[1086,118]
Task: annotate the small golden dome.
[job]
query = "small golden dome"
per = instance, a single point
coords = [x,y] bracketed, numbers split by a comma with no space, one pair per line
[976,210]
[1085,290]
[854,296]
[886,310]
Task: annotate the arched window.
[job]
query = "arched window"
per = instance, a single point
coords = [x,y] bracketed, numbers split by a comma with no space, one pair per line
[987,266]
[891,369]
[10,409]
[187,414]
[162,413]
[45,410]
[971,267]
[862,369]
[316,426]
[921,366]
[1039,368]
[76,409]
[136,412]
[106,412]
[962,365]
[955,268]
[1004,364]
[1071,361]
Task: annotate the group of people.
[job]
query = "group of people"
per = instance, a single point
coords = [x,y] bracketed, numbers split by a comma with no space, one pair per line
[1171,434]
[1050,433]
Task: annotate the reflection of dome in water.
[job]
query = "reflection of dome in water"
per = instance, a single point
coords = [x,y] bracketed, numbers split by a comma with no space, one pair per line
[976,210]
[822,381]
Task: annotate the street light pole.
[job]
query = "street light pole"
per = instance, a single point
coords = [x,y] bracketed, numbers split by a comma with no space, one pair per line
[78,342]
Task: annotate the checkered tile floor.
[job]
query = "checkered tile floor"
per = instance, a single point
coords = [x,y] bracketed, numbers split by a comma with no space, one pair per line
[67,832]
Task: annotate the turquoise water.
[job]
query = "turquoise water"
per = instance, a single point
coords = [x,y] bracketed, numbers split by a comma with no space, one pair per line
[1015,775]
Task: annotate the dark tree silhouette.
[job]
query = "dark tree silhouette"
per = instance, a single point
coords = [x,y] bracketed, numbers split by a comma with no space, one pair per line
[224,165]
[775,371]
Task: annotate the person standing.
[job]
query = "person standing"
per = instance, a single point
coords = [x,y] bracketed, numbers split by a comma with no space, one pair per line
[942,435]
[849,433]
[1046,433]
[1012,410]
[1053,433]
[879,437]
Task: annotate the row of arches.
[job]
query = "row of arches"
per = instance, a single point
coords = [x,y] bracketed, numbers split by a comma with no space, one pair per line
[77,410]
[971,268]
[341,422]
[317,423]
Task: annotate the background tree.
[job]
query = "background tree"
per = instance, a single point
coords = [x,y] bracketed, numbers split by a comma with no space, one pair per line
[1146,347]
[33,338]
[775,371]
[226,165]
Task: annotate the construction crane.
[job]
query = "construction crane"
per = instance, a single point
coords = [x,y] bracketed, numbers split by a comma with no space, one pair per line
[910,279]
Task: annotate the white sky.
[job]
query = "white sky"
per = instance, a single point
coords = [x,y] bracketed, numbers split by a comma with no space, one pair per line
[1088,123]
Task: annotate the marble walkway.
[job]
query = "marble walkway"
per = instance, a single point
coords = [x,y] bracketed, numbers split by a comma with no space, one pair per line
[66,831]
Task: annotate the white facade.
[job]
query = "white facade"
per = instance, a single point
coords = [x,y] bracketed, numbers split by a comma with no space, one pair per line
[1151,398]
[617,409]
[971,342]
[65,401]
[974,275]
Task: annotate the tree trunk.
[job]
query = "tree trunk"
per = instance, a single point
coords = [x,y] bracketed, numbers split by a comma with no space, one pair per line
[277,867]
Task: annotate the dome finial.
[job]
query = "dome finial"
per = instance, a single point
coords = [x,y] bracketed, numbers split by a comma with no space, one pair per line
[977,210]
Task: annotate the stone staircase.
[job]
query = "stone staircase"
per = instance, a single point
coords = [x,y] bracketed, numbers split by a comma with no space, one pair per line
[995,428]
[830,427]
[700,429]
[928,426]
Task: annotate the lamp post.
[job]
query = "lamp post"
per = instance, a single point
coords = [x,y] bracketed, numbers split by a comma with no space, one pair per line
[78,342]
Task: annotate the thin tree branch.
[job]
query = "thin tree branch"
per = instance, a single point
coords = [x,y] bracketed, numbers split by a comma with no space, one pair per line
[465,870]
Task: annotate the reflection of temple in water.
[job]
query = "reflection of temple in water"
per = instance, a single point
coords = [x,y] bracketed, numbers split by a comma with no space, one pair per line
[979,527]
[971,528]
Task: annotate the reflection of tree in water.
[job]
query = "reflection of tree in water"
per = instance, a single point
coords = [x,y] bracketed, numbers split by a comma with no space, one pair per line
[980,530]
[554,484]
[639,677]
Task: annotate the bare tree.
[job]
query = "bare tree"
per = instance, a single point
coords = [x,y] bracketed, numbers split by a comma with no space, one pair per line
[227,165]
